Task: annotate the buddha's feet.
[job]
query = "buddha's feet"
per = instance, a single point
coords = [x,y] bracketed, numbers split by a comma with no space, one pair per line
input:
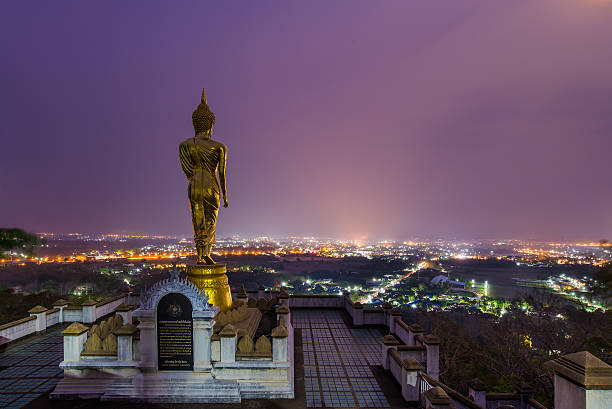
[208,259]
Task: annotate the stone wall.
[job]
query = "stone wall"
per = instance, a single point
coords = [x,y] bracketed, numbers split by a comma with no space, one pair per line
[374,317]
[494,400]
[418,352]
[402,330]
[73,314]
[317,301]
[264,374]
[41,318]
[53,317]
[459,401]
[395,366]
[411,356]
[107,307]
[17,329]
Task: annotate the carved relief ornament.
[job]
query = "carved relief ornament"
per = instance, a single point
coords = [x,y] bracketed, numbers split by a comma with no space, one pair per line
[151,297]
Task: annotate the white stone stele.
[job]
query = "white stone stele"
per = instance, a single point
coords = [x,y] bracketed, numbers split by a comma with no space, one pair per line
[218,376]
[203,323]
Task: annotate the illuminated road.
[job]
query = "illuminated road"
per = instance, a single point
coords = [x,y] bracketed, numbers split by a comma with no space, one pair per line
[392,283]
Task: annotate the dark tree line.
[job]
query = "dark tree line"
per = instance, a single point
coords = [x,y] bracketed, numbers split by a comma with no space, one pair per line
[602,285]
[505,351]
[15,306]
[17,239]
[61,279]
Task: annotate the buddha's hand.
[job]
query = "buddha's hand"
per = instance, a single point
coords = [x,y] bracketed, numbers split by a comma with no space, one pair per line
[225,203]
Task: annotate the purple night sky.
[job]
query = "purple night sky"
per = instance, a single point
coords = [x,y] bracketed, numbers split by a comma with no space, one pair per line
[349,119]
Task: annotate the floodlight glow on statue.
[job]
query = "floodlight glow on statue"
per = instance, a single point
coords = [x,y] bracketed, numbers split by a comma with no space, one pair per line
[201,159]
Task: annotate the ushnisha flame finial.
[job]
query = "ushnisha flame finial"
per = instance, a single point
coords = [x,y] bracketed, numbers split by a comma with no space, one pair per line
[203,118]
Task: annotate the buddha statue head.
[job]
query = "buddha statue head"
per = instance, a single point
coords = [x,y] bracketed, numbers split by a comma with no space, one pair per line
[203,119]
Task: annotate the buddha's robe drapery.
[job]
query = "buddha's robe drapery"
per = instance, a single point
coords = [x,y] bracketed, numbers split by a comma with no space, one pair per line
[199,162]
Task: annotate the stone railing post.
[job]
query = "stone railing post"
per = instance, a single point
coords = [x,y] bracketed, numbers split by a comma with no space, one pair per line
[202,333]
[261,292]
[388,342]
[410,379]
[89,311]
[524,392]
[127,292]
[347,300]
[436,398]
[414,330]
[228,343]
[477,390]
[61,304]
[282,313]
[125,310]
[41,317]
[148,339]
[242,295]
[280,336]
[432,346]
[392,316]
[125,350]
[357,314]
[283,296]
[582,381]
[74,339]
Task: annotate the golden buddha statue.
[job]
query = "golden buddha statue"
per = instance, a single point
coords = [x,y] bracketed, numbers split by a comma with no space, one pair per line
[202,159]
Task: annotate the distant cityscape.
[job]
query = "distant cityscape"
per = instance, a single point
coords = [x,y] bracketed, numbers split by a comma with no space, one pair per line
[534,253]
[488,276]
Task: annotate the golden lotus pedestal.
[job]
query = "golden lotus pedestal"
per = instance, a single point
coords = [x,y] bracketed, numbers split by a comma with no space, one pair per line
[212,279]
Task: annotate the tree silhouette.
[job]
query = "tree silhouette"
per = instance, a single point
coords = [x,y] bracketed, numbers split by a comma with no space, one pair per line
[12,239]
[601,286]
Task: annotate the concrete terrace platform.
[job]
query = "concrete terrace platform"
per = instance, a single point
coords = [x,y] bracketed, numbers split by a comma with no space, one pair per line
[29,370]
[337,366]
[340,364]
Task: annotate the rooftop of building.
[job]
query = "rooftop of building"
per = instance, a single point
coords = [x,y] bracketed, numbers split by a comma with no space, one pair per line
[337,365]
[339,346]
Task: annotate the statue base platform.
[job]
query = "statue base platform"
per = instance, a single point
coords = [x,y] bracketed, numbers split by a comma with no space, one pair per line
[210,368]
[212,279]
[176,387]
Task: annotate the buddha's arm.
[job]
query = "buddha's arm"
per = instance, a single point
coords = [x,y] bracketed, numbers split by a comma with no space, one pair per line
[222,164]
[186,162]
